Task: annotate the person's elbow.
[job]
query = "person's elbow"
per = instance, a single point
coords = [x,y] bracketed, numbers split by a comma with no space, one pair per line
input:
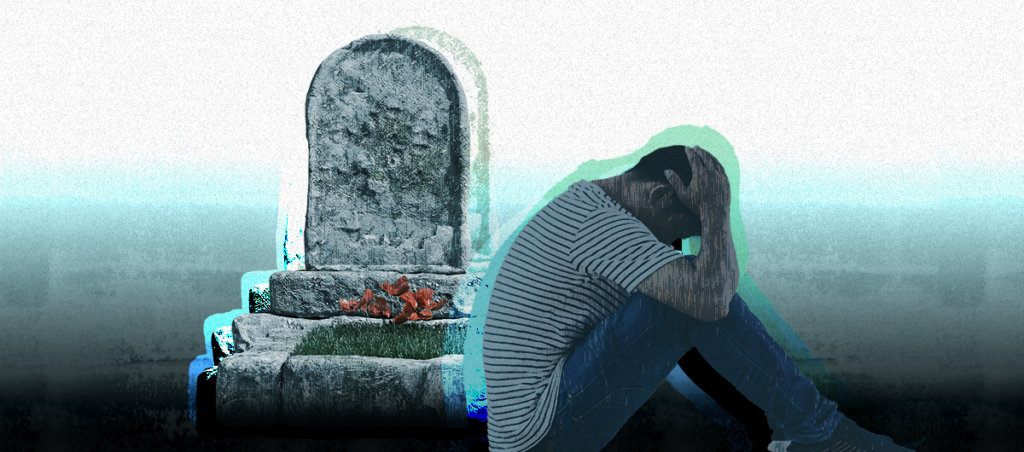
[715,308]
[713,313]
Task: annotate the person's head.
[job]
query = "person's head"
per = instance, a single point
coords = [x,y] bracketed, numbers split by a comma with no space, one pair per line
[646,193]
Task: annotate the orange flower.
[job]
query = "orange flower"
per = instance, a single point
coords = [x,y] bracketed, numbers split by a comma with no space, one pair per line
[408,311]
[410,300]
[400,287]
[379,308]
[418,305]
[424,299]
[352,305]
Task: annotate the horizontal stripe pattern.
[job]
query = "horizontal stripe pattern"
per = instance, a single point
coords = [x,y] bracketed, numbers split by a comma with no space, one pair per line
[574,263]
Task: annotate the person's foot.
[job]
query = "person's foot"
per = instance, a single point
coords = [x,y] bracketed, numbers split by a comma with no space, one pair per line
[849,437]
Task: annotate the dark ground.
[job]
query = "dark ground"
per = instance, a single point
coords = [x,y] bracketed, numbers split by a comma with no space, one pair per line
[149,413]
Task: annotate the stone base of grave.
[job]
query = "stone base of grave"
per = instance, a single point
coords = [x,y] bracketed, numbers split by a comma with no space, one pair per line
[264,384]
[315,294]
[326,391]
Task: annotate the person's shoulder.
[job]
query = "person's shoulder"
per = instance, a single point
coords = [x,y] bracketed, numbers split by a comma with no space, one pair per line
[584,185]
[585,194]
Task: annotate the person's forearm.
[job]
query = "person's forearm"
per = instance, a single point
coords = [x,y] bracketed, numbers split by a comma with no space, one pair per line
[703,287]
[716,261]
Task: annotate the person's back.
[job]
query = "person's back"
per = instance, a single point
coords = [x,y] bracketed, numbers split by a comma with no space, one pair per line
[543,303]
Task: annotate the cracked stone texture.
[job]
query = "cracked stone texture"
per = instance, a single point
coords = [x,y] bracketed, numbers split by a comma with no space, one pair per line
[249,381]
[357,390]
[388,140]
[265,331]
[249,388]
[315,294]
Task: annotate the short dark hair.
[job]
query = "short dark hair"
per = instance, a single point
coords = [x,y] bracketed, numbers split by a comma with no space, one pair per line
[653,165]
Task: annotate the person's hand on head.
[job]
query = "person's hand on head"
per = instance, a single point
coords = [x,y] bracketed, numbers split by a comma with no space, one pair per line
[708,192]
[685,194]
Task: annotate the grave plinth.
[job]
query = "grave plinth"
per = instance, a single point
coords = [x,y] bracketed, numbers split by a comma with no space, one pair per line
[387,129]
[314,294]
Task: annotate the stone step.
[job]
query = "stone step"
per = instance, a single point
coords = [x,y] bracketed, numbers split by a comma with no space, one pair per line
[324,391]
[315,294]
[264,384]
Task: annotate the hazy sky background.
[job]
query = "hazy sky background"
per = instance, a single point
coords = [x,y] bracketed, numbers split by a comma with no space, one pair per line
[865,102]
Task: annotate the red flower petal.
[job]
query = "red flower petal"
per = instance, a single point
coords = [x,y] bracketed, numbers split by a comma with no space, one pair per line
[379,308]
[425,314]
[409,298]
[423,297]
[367,298]
[420,298]
[400,287]
[434,305]
[409,307]
[348,305]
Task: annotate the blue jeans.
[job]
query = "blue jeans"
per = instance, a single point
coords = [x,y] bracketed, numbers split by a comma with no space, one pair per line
[616,368]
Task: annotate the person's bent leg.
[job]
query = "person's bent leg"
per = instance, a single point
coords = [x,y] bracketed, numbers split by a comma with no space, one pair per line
[728,398]
[739,349]
[614,370]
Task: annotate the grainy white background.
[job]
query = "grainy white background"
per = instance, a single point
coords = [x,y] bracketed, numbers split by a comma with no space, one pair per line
[874,102]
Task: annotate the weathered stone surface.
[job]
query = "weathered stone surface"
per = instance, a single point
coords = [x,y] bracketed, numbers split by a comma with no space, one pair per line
[355,390]
[388,141]
[249,388]
[315,294]
[223,343]
[268,332]
[271,332]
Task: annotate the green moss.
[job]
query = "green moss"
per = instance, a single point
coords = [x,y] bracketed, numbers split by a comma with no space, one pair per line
[408,340]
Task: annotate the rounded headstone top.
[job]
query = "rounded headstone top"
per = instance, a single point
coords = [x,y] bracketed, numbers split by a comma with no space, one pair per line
[388,140]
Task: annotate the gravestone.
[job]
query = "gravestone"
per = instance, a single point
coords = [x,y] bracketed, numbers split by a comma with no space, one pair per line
[388,160]
[388,140]
[388,192]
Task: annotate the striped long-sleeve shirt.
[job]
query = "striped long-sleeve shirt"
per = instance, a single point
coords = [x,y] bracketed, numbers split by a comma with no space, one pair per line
[574,263]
